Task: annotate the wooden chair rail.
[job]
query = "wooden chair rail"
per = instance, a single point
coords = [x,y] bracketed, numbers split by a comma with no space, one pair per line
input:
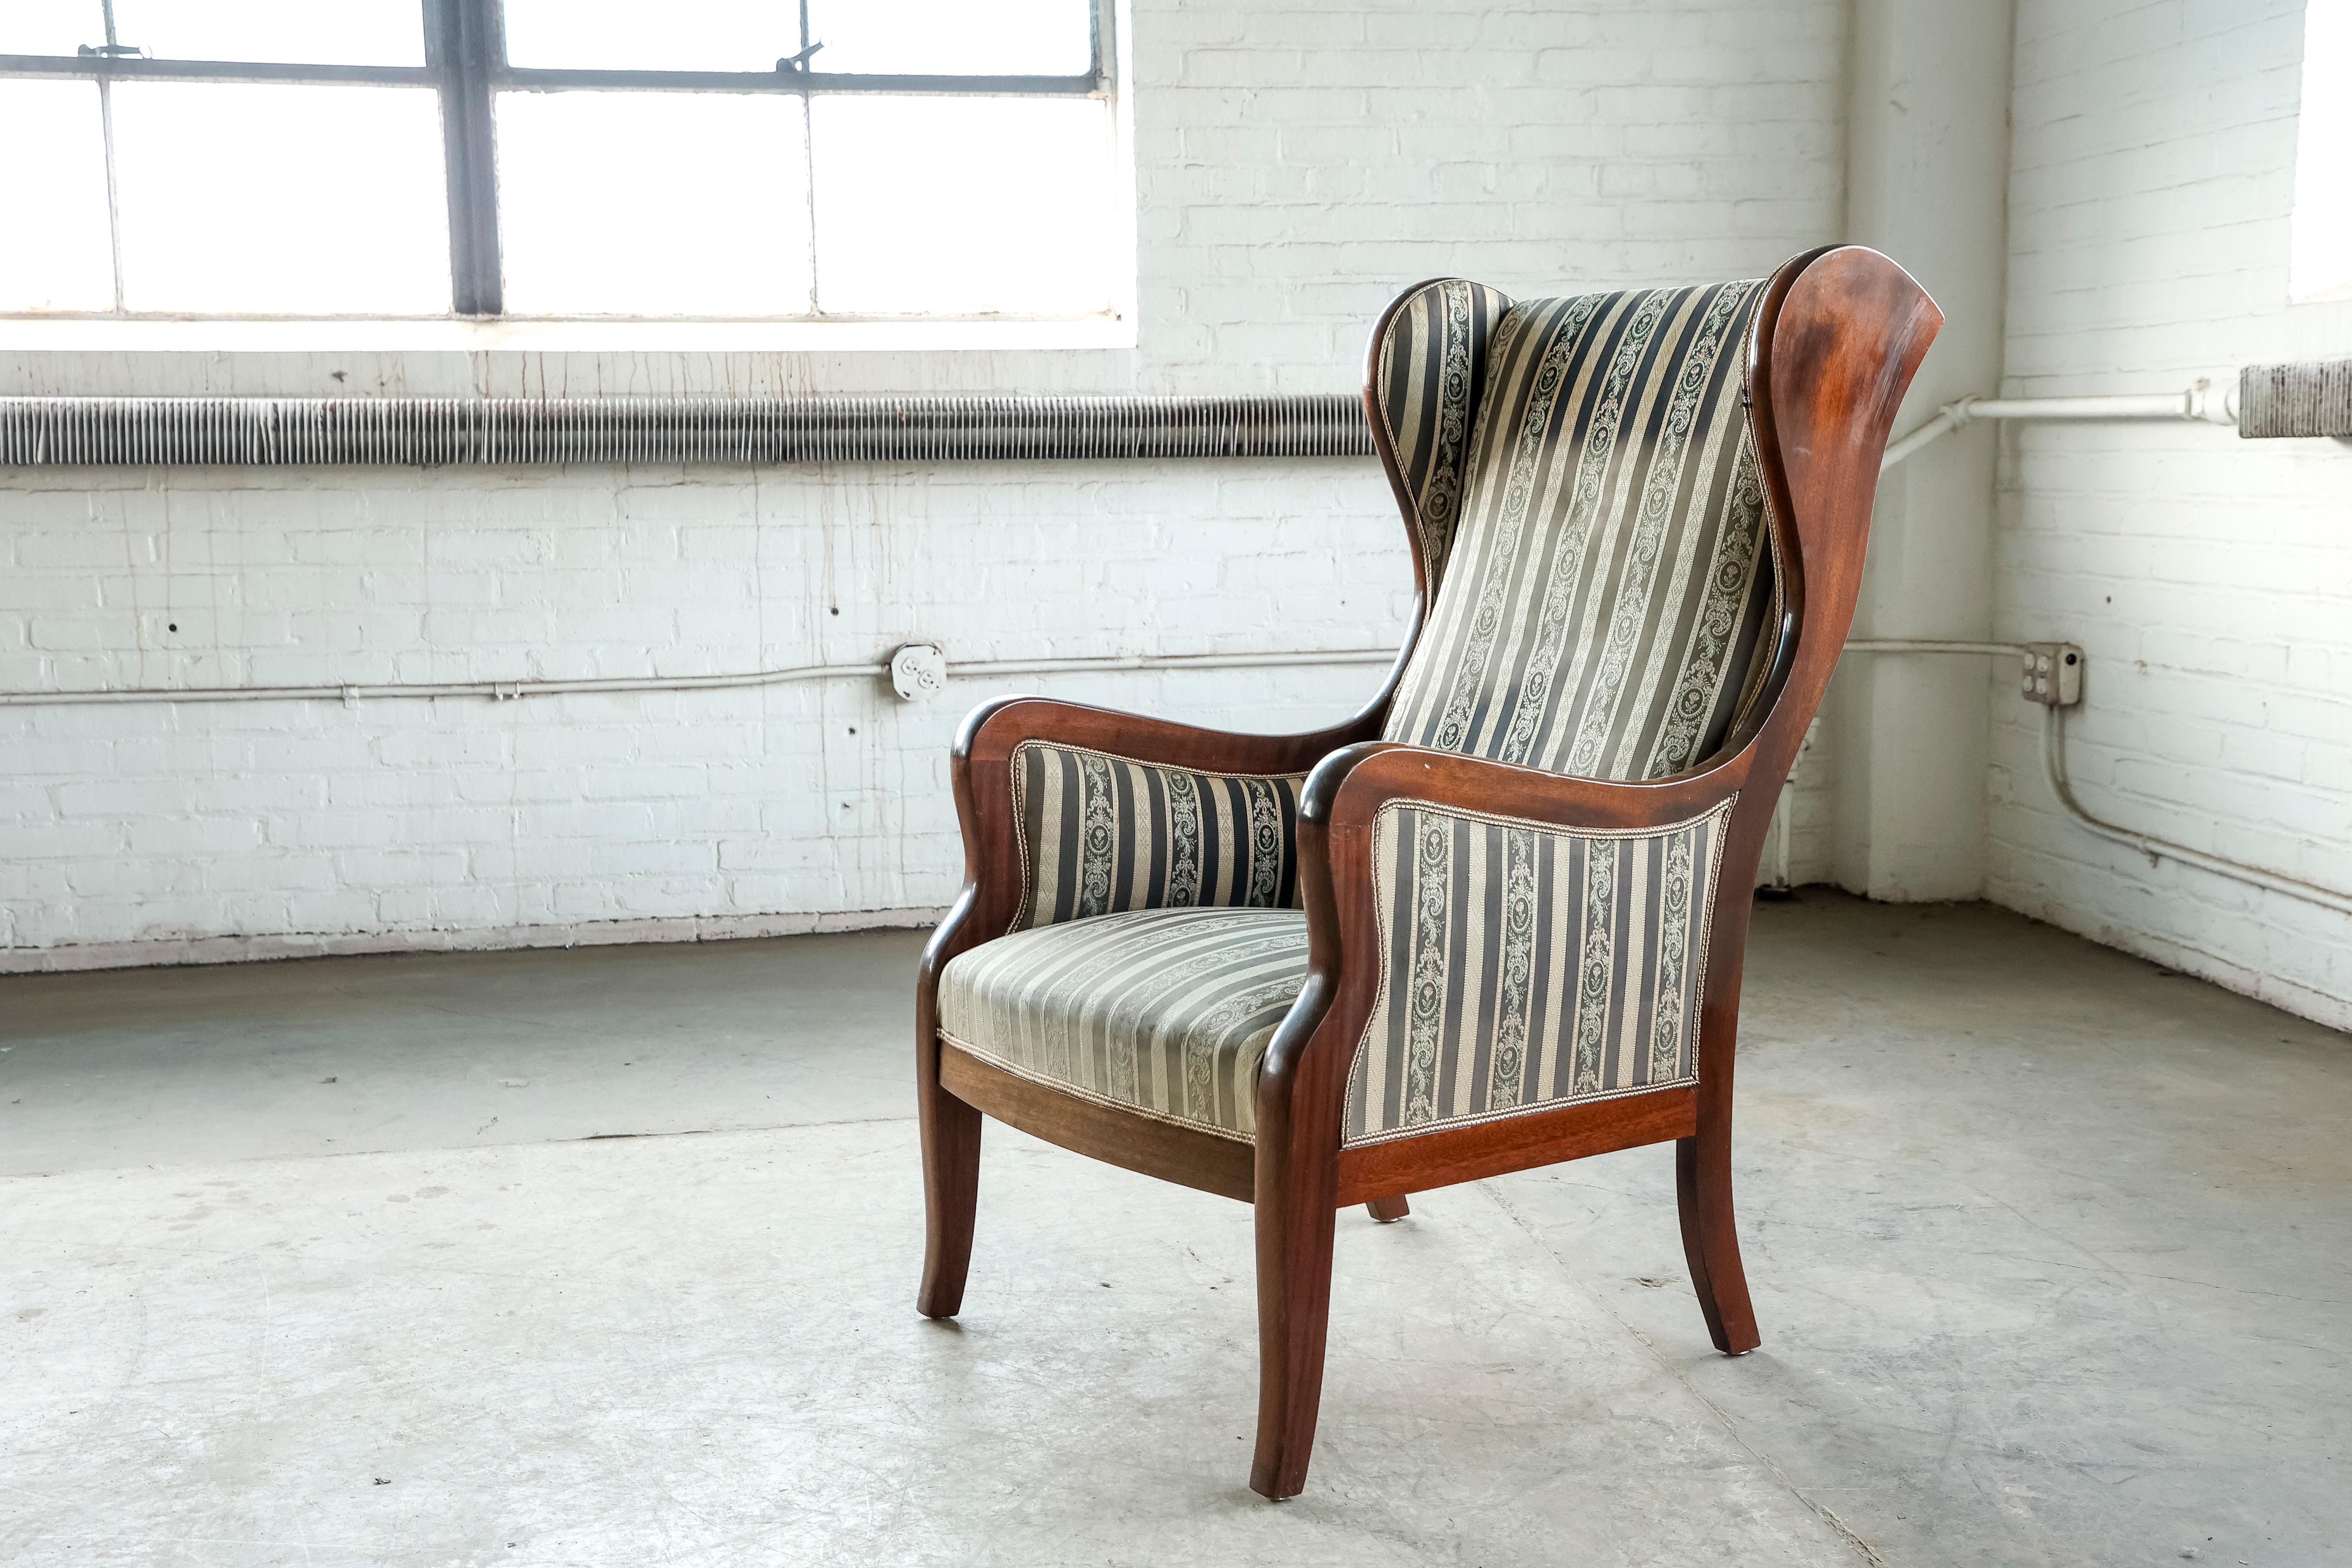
[1348,788]
[1007,724]
[1148,1144]
[1522,1141]
[1153,1146]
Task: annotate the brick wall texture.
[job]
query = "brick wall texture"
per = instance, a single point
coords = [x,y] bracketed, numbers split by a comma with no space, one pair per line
[1296,164]
[2208,579]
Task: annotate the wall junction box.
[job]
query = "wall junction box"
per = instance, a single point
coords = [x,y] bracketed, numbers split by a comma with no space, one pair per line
[2053,674]
[919,669]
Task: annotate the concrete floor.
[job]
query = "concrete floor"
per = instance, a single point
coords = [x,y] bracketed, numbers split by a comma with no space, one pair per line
[335,1263]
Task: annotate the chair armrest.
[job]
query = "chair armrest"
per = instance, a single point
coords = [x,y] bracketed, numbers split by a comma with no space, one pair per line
[1464,921]
[996,729]
[1069,811]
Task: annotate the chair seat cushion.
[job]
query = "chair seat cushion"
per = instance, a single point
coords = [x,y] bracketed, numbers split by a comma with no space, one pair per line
[1164,1012]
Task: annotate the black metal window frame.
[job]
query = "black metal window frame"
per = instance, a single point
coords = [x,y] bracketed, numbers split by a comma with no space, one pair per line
[466,63]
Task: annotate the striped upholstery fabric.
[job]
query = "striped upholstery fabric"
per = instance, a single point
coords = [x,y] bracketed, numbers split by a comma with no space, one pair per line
[1166,1012]
[1430,370]
[1525,966]
[1590,515]
[1610,575]
[1100,834]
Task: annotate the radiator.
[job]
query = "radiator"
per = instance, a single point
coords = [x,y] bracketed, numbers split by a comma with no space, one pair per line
[239,431]
[2310,397]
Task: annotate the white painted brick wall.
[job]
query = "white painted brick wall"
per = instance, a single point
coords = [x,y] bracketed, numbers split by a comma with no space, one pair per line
[2208,579]
[1297,166]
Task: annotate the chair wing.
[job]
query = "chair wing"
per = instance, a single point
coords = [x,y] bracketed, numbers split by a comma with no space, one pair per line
[1611,570]
[1429,359]
[1607,584]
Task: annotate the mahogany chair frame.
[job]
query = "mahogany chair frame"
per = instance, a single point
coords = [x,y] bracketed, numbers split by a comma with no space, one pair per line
[1838,335]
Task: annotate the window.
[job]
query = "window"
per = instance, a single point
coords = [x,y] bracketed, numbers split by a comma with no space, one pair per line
[789,160]
[2321,267]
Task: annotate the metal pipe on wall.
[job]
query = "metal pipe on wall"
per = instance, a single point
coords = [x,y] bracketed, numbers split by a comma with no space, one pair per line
[514,690]
[2053,765]
[2194,403]
[2053,732]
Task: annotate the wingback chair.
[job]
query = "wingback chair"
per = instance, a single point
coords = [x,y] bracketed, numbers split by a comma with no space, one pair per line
[1496,919]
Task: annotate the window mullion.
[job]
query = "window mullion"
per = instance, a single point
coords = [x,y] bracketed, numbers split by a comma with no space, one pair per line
[113,203]
[462,46]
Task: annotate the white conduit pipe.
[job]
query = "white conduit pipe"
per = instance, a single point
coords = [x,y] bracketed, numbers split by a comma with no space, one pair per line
[2053,764]
[510,690]
[2196,404]
[2052,744]
[1779,882]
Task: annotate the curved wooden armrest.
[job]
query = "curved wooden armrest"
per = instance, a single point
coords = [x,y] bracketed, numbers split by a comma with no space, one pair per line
[994,729]
[1337,814]
[1347,788]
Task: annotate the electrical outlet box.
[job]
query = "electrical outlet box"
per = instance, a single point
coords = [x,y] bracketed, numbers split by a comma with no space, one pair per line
[919,669]
[2053,674]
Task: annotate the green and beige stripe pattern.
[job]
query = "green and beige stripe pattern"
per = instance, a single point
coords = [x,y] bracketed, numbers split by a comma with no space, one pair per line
[1525,966]
[1610,573]
[1166,1012]
[1590,513]
[1101,833]
[1431,368]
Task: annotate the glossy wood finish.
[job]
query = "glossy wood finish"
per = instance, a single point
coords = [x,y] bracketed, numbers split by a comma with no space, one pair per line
[1838,336]
[1510,1143]
[949,1130]
[1224,1166]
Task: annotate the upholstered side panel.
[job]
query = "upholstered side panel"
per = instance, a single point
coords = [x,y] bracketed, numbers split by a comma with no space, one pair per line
[1166,1012]
[1610,578]
[1100,834]
[1429,373]
[1527,966]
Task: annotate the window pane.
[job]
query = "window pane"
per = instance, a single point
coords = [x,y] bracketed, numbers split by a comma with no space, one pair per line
[954,38]
[2320,266]
[654,204]
[964,205]
[313,32]
[273,200]
[58,256]
[50,26]
[675,35]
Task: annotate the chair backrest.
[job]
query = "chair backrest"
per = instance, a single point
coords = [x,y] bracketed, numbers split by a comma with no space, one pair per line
[1590,523]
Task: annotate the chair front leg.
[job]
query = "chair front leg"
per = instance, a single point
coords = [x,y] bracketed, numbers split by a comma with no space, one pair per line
[950,1131]
[1296,1213]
